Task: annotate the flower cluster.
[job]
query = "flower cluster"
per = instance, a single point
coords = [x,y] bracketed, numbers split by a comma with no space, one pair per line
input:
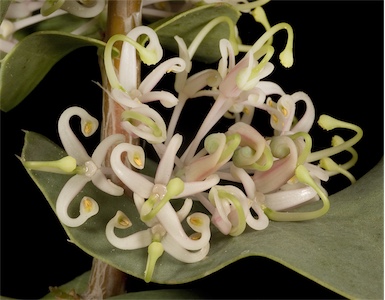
[240,178]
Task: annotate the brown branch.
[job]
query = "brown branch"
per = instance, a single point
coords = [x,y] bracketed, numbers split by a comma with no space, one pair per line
[123,15]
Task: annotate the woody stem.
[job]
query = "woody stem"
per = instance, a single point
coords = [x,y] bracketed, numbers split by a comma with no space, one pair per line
[123,15]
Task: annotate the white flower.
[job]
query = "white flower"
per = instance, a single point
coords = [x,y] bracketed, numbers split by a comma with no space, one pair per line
[89,168]
[164,188]
[239,83]
[125,90]
[157,239]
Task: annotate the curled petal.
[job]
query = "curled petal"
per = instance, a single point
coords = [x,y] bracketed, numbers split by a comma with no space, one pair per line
[101,150]
[124,99]
[170,221]
[72,187]
[252,144]
[282,169]
[220,149]
[175,65]
[198,81]
[220,220]
[154,50]
[270,88]
[317,172]
[166,163]
[185,209]
[69,140]
[195,187]
[84,9]
[231,204]
[255,97]
[172,247]
[259,223]
[229,85]
[136,240]
[227,62]
[106,185]
[151,125]
[282,113]
[205,166]
[246,179]
[307,120]
[167,99]
[180,78]
[132,179]
[139,201]
[286,199]
[151,54]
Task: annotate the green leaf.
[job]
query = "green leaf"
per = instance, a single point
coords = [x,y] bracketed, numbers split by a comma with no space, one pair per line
[3,8]
[64,23]
[342,250]
[31,59]
[188,24]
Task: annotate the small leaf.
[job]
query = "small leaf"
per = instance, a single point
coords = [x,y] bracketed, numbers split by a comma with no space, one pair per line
[31,59]
[342,251]
[188,24]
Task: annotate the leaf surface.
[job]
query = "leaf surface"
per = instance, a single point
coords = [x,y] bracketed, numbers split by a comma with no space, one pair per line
[188,24]
[342,250]
[30,60]
[3,8]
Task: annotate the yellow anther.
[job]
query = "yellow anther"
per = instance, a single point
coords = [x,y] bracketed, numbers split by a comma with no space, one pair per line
[292,180]
[88,128]
[275,118]
[138,160]
[246,110]
[124,221]
[196,236]
[196,221]
[284,111]
[88,204]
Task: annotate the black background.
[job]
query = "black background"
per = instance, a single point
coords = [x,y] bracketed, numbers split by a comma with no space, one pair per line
[338,62]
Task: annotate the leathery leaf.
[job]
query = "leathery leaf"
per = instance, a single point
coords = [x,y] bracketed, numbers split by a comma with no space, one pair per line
[342,250]
[188,24]
[31,59]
